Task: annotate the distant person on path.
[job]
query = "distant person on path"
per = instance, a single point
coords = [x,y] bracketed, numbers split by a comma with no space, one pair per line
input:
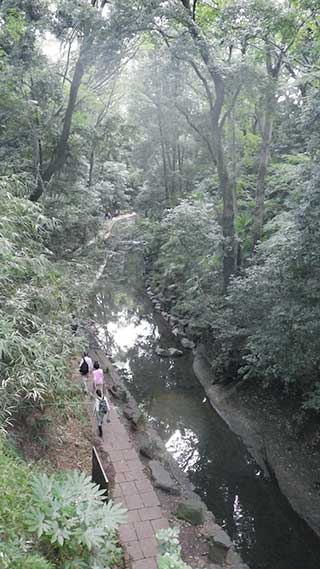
[74,325]
[86,367]
[97,377]
[101,409]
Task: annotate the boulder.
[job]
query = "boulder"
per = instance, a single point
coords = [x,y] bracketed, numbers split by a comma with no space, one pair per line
[175,352]
[219,545]
[177,332]
[161,478]
[118,392]
[161,352]
[150,449]
[133,414]
[191,511]
[188,344]
[168,353]
[165,315]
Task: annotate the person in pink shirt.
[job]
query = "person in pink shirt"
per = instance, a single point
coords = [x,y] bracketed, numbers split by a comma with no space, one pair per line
[97,380]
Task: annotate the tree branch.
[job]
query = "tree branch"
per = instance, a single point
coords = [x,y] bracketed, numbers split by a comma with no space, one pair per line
[233,102]
[198,131]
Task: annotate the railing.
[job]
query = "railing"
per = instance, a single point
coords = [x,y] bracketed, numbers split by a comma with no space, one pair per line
[98,474]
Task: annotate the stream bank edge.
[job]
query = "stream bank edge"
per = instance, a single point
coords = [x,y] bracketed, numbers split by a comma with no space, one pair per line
[210,528]
[260,443]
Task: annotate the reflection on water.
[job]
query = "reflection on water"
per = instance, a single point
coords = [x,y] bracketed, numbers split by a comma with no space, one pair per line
[126,333]
[183,447]
[263,527]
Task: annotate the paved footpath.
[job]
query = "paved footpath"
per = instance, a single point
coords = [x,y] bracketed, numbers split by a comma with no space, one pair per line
[134,490]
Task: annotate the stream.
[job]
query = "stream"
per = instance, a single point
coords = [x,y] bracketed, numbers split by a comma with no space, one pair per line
[265,530]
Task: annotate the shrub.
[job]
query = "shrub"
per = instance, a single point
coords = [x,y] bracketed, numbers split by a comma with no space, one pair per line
[72,523]
[36,303]
[15,544]
[170,550]
[185,249]
[274,308]
[54,522]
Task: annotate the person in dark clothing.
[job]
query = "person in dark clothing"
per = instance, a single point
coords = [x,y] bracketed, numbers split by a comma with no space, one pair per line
[74,325]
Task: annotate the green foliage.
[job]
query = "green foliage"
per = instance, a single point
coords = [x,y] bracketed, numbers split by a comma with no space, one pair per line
[35,338]
[187,246]
[15,545]
[14,496]
[56,521]
[72,523]
[272,310]
[115,187]
[170,550]
[12,557]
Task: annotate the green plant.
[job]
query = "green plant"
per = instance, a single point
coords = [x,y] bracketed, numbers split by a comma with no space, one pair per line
[13,557]
[185,251]
[170,550]
[36,303]
[16,547]
[72,523]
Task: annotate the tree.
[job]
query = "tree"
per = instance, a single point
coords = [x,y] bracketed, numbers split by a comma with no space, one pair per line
[87,25]
[204,58]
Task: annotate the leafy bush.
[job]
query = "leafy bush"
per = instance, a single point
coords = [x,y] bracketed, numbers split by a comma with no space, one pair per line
[185,248]
[274,308]
[36,304]
[16,548]
[14,495]
[267,327]
[56,521]
[11,557]
[170,550]
[72,523]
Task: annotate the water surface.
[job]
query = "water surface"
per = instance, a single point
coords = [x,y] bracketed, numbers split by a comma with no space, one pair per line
[264,528]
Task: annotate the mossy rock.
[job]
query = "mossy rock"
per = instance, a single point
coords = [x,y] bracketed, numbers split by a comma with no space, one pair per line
[192,512]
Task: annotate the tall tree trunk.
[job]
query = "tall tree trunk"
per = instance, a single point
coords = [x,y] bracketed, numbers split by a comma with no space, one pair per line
[234,160]
[258,213]
[58,160]
[91,166]
[228,228]
[273,67]
[215,91]
[164,158]
[225,184]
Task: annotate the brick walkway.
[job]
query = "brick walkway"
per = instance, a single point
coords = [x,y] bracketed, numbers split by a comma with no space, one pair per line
[134,490]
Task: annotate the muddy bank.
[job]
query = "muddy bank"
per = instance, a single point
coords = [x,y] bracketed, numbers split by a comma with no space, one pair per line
[264,429]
